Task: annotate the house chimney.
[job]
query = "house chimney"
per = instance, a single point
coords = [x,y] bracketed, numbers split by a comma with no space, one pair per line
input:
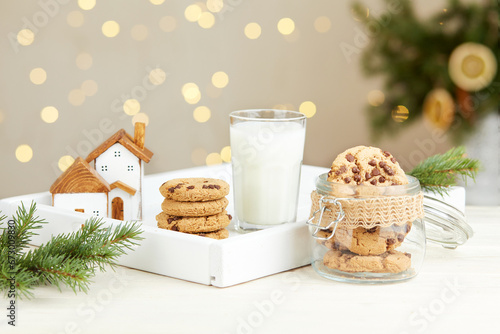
[139,133]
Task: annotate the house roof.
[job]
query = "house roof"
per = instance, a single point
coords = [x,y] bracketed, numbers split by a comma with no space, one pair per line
[127,141]
[80,177]
[123,186]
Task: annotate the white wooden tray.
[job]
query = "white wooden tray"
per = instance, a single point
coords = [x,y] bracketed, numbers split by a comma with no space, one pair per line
[238,259]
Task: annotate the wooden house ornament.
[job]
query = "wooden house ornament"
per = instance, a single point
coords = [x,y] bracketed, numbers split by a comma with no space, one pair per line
[118,167]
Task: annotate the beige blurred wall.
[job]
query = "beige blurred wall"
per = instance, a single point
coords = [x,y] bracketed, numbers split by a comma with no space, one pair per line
[271,70]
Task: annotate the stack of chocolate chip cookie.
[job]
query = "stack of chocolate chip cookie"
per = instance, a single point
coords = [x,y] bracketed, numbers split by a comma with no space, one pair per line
[195,206]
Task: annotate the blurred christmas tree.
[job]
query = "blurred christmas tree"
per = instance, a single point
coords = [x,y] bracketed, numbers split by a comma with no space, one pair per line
[444,67]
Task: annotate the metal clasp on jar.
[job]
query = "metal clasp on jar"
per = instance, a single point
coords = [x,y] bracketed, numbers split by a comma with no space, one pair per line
[322,208]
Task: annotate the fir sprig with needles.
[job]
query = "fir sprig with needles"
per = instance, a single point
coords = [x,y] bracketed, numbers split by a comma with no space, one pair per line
[441,171]
[66,259]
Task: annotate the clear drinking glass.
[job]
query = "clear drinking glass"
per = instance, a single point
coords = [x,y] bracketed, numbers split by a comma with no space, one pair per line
[267,148]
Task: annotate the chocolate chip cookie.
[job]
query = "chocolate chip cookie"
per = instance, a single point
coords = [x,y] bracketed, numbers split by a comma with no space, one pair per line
[366,165]
[389,262]
[193,224]
[194,189]
[194,209]
[374,241]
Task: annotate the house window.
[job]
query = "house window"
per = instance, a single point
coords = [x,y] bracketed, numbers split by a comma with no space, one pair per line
[117,154]
[104,168]
[96,213]
[130,168]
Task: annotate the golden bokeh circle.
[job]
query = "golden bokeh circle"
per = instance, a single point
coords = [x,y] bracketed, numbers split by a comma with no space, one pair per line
[322,24]
[400,114]
[75,19]
[140,117]
[139,32]
[168,23]
[375,97]
[286,26]
[213,159]
[253,30]
[202,114]
[38,76]
[25,37]
[225,154]
[24,153]
[86,4]
[215,6]
[308,108]
[220,79]
[192,12]
[89,87]
[110,28]
[157,76]
[64,162]
[157,2]
[76,97]
[131,107]
[49,114]
[84,61]
[206,20]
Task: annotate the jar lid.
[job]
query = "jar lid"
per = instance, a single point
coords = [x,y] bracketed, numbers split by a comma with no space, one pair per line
[445,224]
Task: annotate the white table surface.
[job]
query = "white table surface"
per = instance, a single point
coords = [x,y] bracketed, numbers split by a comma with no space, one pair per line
[457,291]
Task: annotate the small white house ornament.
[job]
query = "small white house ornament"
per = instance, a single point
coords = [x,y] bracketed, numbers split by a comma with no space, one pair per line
[112,187]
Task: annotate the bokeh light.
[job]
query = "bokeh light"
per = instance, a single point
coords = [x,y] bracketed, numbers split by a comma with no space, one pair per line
[89,87]
[24,153]
[322,24]
[375,98]
[220,79]
[25,37]
[140,117]
[157,76]
[84,61]
[64,162]
[213,159]
[225,154]
[192,13]
[86,4]
[206,20]
[131,107]
[201,114]
[157,2]
[253,30]
[110,28]
[198,156]
[308,108]
[365,13]
[76,97]
[168,23]
[75,19]
[139,32]
[215,6]
[286,26]
[38,76]
[191,93]
[400,114]
[49,114]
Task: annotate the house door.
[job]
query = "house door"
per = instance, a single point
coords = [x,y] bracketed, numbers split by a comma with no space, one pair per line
[117,208]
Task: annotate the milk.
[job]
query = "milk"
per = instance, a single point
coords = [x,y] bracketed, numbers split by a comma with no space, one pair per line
[266,158]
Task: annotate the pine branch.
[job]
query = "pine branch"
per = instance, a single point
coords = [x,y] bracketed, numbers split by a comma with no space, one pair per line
[66,259]
[439,172]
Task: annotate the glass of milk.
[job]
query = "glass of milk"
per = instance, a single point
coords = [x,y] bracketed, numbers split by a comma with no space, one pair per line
[267,147]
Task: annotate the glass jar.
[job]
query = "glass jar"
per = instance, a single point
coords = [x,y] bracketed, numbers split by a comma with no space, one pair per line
[367,234]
